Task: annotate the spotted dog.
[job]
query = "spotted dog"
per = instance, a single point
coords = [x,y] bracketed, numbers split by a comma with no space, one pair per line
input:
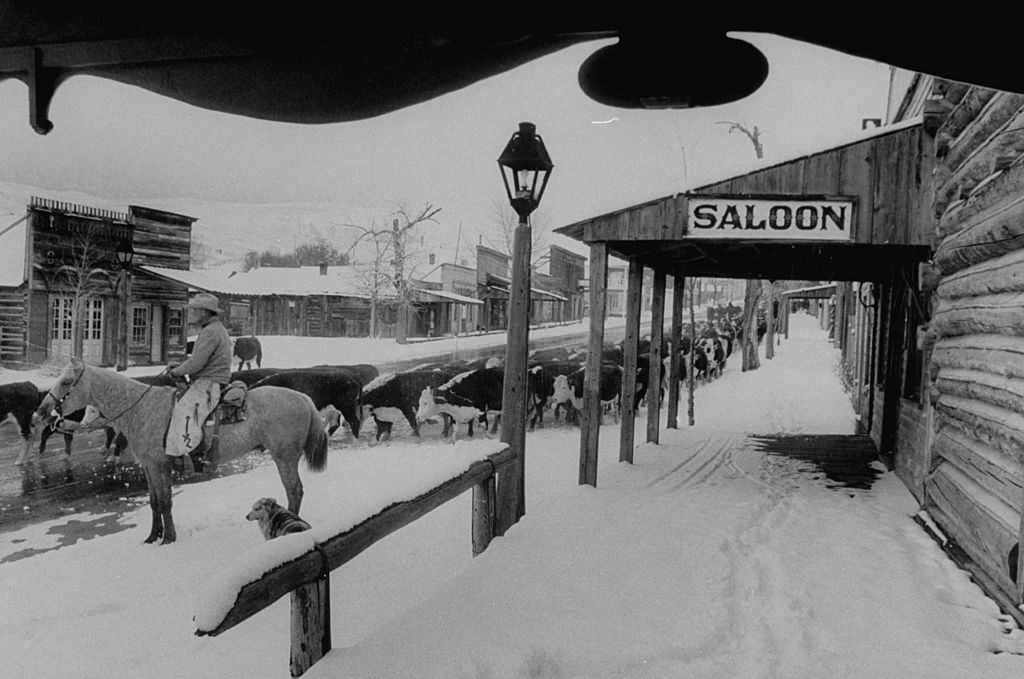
[274,519]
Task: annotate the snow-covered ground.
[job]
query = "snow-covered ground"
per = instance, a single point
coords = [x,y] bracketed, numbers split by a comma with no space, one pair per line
[704,558]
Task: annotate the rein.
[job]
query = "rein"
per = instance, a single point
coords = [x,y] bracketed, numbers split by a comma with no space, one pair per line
[106,420]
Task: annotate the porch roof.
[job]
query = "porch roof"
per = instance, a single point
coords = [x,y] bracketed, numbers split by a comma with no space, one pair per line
[445,296]
[877,174]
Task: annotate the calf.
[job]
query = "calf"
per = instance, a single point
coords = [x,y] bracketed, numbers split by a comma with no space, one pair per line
[335,388]
[467,396]
[246,349]
[569,389]
[389,398]
[20,400]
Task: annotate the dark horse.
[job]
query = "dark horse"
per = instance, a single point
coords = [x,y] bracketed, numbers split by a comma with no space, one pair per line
[281,421]
[247,349]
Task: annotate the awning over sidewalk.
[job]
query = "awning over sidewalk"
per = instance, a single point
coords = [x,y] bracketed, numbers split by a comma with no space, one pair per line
[445,296]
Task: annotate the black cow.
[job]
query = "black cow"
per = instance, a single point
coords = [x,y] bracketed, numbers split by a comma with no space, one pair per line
[364,372]
[246,349]
[569,390]
[541,386]
[388,398]
[325,387]
[466,397]
[20,400]
[256,375]
[549,355]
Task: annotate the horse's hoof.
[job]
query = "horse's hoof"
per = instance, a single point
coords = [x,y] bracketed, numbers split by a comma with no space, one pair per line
[151,539]
[167,541]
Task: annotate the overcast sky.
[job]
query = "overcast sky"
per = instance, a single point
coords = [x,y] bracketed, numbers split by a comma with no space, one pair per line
[117,141]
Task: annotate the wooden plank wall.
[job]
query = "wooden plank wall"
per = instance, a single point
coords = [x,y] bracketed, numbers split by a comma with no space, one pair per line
[974,488]
[889,174]
[13,321]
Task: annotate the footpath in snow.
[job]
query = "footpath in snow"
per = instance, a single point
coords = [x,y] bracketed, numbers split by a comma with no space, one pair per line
[704,558]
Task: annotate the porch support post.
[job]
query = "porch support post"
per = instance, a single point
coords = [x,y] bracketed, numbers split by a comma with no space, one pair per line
[627,398]
[590,421]
[654,374]
[676,341]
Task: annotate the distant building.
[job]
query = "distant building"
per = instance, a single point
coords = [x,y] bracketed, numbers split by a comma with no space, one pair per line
[61,292]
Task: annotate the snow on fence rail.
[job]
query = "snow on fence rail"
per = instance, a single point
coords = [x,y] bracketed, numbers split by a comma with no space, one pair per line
[299,565]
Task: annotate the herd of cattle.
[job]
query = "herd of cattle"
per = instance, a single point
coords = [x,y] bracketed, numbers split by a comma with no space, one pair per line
[454,393]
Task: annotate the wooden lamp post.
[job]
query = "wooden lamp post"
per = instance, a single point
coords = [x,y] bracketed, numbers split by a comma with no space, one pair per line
[124,254]
[525,169]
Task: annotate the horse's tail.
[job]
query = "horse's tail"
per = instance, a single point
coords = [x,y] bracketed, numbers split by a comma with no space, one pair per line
[259,353]
[315,448]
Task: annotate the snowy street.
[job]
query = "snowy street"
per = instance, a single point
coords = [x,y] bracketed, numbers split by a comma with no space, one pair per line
[705,558]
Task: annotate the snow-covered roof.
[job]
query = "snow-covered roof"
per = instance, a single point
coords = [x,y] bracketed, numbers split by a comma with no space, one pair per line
[343,281]
[444,295]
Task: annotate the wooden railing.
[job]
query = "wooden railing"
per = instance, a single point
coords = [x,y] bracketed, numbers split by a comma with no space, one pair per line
[307,578]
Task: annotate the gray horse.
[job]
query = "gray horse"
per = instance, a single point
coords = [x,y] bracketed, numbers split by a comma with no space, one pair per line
[278,420]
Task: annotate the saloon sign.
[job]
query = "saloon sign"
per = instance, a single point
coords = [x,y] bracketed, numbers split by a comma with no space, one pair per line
[769,219]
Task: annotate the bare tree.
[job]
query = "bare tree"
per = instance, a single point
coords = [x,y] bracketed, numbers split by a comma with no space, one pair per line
[392,246]
[508,220]
[753,135]
[85,276]
[751,361]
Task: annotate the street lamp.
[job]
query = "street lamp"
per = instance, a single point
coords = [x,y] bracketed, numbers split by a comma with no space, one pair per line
[124,254]
[525,169]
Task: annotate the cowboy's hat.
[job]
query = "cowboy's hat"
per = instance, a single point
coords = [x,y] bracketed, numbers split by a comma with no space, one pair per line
[206,301]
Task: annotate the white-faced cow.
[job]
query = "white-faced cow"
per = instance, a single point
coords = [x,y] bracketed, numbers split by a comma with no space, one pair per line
[472,395]
[569,390]
[396,396]
[540,383]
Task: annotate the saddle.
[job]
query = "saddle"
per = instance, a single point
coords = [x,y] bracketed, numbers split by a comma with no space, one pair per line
[231,407]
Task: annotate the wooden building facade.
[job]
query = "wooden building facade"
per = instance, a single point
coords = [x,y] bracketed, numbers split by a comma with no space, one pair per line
[73,299]
[964,460]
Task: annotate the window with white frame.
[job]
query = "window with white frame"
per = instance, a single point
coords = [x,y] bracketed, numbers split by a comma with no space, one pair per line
[174,326]
[140,325]
[94,320]
[60,318]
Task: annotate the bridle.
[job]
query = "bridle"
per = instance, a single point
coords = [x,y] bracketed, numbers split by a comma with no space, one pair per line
[106,421]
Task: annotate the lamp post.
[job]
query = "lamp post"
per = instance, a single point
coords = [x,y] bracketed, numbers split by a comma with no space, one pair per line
[124,253]
[525,170]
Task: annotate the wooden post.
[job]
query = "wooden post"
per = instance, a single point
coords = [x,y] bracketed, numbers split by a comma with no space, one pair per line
[590,422]
[676,339]
[689,356]
[514,385]
[627,397]
[483,515]
[654,374]
[769,339]
[310,624]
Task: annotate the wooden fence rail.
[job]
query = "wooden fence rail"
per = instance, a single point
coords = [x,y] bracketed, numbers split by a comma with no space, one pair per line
[307,578]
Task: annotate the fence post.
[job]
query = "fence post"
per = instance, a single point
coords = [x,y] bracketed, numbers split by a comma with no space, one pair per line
[310,623]
[483,514]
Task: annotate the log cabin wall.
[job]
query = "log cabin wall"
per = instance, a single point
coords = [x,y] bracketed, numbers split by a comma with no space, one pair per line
[973,482]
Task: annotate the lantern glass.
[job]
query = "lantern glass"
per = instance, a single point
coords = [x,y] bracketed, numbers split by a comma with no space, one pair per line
[525,168]
[125,253]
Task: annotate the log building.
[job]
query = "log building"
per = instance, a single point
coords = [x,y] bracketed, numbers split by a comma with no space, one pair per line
[63,292]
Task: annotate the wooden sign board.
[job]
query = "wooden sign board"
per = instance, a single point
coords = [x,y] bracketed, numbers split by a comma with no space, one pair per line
[769,218]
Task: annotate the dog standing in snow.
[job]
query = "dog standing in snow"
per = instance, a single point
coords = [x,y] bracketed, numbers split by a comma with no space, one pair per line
[274,519]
